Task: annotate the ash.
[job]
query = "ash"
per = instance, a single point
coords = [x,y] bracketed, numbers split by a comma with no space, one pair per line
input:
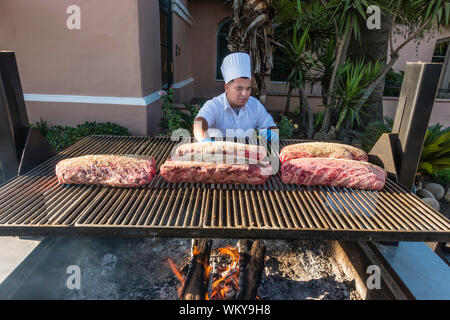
[123,269]
[302,270]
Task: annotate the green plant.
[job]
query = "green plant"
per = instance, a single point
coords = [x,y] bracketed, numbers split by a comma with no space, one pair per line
[442,176]
[318,118]
[393,83]
[61,137]
[436,150]
[175,118]
[41,125]
[370,135]
[286,127]
[354,78]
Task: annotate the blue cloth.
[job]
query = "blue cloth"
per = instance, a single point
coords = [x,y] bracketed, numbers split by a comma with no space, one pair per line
[207,140]
[269,135]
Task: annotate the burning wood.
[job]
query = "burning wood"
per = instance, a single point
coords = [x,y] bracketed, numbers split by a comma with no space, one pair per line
[224,280]
[220,274]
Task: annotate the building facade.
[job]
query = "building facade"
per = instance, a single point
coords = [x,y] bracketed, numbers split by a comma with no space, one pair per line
[107,60]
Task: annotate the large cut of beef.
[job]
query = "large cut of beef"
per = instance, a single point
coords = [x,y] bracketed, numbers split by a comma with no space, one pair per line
[333,172]
[211,172]
[225,148]
[321,150]
[110,170]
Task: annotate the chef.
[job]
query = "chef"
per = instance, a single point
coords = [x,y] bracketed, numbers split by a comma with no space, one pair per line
[234,113]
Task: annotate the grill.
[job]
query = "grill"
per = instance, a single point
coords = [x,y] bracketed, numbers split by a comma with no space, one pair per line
[35,204]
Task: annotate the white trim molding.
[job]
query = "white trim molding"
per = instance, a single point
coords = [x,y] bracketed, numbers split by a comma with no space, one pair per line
[182,11]
[128,101]
[144,101]
[183,83]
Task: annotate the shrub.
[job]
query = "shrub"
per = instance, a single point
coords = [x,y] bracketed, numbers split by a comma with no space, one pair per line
[286,127]
[393,83]
[436,150]
[372,133]
[61,137]
[442,176]
[174,118]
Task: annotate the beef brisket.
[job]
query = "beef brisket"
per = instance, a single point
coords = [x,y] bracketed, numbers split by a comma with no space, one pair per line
[210,172]
[109,170]
[333,172]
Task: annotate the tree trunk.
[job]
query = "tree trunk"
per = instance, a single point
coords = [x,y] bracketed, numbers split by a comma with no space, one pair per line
[310,127]
[288,99]
[340,58]
[373,47]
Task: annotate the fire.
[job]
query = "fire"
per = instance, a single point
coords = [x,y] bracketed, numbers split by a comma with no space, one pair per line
[177,273]
[225,279]
[226,283]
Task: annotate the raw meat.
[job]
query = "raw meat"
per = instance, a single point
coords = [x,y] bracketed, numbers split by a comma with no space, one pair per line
[110,170]
[210,172]
[333,172]
[322,150]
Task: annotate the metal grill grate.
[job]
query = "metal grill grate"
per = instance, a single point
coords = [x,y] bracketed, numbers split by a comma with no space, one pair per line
[35,204]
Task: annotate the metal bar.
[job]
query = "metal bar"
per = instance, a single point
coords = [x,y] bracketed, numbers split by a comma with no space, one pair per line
[272,210]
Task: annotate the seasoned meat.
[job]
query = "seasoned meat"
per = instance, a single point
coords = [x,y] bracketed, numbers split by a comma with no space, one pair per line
[226,148]
[109,170]
[321,150]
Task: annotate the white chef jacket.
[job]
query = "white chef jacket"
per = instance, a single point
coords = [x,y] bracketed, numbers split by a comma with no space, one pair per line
[220,115]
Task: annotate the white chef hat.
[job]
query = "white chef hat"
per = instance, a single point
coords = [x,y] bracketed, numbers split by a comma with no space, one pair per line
[236,65]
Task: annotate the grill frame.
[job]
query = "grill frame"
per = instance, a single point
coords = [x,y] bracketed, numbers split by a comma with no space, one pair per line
[271,211]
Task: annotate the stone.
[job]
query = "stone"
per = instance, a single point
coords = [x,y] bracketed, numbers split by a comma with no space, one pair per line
[447,195]
[432,203]
[424,193]
[436,189]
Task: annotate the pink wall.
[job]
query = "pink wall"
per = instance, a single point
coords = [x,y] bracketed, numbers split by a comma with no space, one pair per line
[100,59]
[207,15]
[182,39]
[440,113]
[113,54]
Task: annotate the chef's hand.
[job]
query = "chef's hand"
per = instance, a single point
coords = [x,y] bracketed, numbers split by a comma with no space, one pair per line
[269,135]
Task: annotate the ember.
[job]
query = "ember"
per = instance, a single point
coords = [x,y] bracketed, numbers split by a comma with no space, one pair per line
[224,279]
[221,273]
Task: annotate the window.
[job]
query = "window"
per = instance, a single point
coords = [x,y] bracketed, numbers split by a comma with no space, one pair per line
[165,29]
[279,72]
[222,51]
[440,56]
[440,50]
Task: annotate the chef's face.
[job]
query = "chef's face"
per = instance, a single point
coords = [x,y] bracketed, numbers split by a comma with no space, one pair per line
[238,91]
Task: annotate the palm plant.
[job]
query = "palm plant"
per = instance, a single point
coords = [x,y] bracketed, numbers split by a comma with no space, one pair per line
[252,31]
[344,16]
[299,62]
[436,150]
[354,78]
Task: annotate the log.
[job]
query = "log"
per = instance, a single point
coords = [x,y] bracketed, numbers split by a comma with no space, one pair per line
[250,275]
[196,283]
